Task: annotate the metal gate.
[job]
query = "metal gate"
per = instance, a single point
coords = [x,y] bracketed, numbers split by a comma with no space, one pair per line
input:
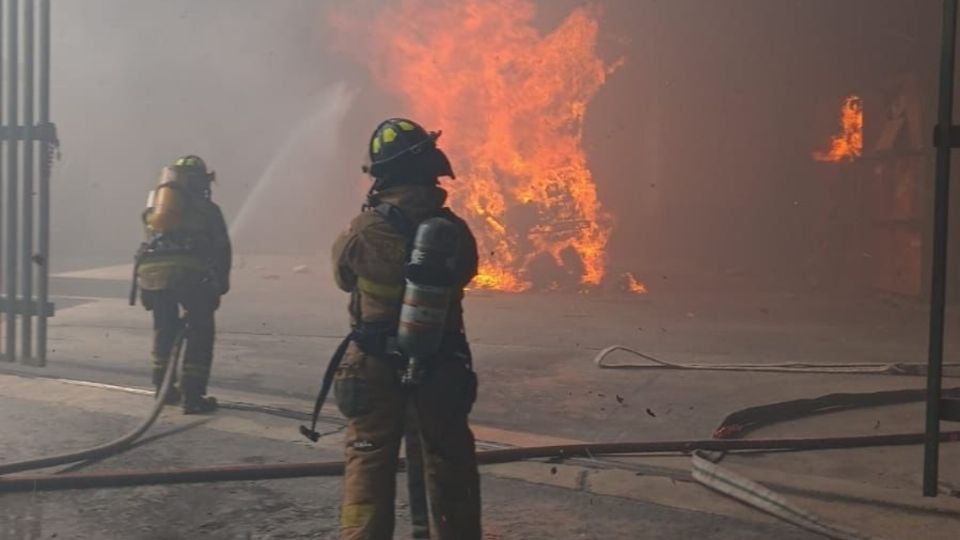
[28,141]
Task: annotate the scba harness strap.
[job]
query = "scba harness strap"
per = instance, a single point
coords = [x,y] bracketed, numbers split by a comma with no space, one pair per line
[311,432]
[371,338]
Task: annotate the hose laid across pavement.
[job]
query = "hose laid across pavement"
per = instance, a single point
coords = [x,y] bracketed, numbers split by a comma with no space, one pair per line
[226,473]
[113,447]
[854,368]
[751,493]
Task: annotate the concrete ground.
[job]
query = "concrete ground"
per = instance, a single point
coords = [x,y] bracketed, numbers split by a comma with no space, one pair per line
[538,386]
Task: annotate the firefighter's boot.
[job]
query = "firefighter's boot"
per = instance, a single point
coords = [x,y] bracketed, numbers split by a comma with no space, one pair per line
[194,402]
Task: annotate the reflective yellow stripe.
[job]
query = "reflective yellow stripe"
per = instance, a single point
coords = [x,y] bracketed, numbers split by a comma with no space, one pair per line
[355,515]
[169,261]
[380,291]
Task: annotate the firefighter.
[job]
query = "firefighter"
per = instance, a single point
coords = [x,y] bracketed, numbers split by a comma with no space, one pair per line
[184,263]
[369,263]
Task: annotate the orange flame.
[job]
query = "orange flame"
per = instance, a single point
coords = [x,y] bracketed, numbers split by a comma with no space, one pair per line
[634,285]
[848,144]
[511,102]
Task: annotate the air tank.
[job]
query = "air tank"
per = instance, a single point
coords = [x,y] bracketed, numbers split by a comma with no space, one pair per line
[428,291]
[166,204]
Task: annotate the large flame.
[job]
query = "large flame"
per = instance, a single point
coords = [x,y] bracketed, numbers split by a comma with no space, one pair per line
[511,102]
[848,144]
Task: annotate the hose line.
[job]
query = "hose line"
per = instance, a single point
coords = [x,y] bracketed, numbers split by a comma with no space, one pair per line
[274,471]
[118,445]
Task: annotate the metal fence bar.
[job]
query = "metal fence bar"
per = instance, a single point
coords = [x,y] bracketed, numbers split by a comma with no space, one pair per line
[3,65]
[25,127]
[13,102]
[43,189]
[26,251]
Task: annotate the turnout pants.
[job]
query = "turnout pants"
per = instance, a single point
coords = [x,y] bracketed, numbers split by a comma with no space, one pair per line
[370,395]
[199,303]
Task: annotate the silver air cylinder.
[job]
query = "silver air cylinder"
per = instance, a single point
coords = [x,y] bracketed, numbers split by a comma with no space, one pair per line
[429,287]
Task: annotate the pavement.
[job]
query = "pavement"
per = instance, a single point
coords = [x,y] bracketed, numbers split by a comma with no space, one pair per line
[533,353]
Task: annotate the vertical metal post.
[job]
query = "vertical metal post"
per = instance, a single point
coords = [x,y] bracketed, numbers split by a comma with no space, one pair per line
[43,191]
[10,264]
[3,316]
[26,251]
[938,279]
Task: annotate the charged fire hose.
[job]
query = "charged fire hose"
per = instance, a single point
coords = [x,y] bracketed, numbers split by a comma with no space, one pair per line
[741,422]
[113,447]
[46,482]
[704,472]
[709,474]
[853,368]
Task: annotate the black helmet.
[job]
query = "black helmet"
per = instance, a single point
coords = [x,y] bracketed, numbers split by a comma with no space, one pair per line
[191,164]
[400,146]
[195,170]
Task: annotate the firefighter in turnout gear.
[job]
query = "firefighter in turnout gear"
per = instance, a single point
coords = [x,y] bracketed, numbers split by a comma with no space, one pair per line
[184,263]
[377,384]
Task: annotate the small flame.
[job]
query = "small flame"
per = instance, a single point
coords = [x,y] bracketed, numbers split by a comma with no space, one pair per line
[511,101]
[848,145]
[634,285]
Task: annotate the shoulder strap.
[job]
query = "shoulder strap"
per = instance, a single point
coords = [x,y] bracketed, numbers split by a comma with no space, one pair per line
[404,225]
[394,216]
[328,376]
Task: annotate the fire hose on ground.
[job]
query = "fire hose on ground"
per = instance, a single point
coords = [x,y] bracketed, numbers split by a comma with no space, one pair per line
[225,473]
[757,496]
[850,368]
[734,425]
[108,449]
[705,472]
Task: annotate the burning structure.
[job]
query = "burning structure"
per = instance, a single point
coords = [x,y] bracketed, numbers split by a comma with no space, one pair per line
[883,237]
[848,144]
[589,141]
[662,148]
[584,155]
[513,99]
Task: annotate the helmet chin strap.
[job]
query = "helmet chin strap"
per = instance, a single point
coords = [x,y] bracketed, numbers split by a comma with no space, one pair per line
[373,199]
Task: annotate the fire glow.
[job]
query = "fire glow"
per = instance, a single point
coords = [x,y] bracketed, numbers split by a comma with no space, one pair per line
[634,285]
[848,144]
[511,102]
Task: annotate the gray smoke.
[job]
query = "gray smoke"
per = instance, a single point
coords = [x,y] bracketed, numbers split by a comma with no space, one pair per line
[241,83]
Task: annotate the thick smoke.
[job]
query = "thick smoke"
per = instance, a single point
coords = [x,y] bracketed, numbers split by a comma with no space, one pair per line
[280,208]
[246,84]
[699,144]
